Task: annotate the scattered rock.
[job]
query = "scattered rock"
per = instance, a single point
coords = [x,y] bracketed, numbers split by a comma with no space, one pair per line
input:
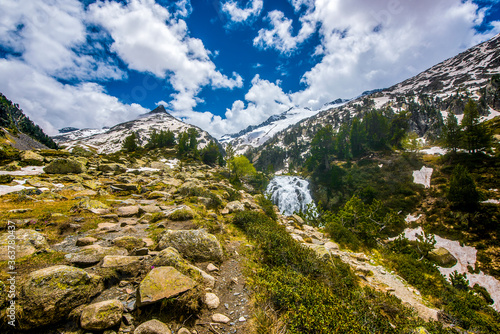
[211,300]
[161,283]
[91,205]
[86,241]
[152,327]
[48,295]
[157,194]
[211,267]
[183,331]
[235,206]
[220,318]
[127,211]
[113,261]
[93,254]
[103,315]
[112,167]
[181,214]
[194,244]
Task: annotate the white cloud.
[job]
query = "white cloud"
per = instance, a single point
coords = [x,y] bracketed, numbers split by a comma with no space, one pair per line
[378,43]
[149,39]
[280,37]
[47,33]
[237,14]
[54,105]
[263,100]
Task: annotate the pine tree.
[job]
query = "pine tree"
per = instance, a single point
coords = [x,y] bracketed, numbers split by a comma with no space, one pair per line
[462,192]
[130,143]
[357,138]
[452,134]
[475,135]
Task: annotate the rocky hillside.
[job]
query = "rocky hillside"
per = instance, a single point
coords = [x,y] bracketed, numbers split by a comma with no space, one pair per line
[426,99]
[20,131]
[111,140]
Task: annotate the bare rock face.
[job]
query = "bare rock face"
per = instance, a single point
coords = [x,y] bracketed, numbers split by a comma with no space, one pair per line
[197,245]
[152,327]
[161,283]
[26,242]
[48,295]
[103,315]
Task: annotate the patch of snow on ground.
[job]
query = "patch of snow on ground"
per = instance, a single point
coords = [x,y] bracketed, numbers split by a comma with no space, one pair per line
[491,201]
[172,163]
[143,169]
[410,218]
[466,256]
[10,189]
[28,170]
[493,114]
[423,176]
[434,150]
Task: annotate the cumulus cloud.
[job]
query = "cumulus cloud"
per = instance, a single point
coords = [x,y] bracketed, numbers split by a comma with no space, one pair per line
[46,34]
[280,37]
[54,105]
[263,99]
[149,39]
[374,44]
[238,14]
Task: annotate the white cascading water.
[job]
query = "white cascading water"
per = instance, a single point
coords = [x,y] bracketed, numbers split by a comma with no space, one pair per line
[290,193]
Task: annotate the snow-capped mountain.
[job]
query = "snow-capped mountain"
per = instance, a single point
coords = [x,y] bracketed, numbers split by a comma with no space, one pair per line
[257,135]
[427,97]
[111,140]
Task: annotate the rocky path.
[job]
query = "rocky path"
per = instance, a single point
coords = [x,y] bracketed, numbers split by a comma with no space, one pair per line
[375,276]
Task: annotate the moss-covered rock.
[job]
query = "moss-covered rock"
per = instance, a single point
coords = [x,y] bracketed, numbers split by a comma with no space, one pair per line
[64,166]
[193,244]
[442,257]
[32,158]
[129,242]
[48,295]
[91,205]
[181,214]
[161,283]
[102,315]
[112,167]
[26,242]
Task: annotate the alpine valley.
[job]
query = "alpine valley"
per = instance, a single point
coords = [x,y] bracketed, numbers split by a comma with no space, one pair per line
[377,214]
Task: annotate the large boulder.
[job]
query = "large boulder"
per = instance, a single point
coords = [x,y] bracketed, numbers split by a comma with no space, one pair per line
[194,244]
[152,327]
[181,214]
[26,242]
[442,257]
[129,242]
[48,295]
[235,206]
[170,257]
[32,158]
[64,166]
[103,315]
[93,254]
[161,283]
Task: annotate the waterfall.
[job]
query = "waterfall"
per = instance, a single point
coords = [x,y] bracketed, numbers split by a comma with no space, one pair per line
[290,193]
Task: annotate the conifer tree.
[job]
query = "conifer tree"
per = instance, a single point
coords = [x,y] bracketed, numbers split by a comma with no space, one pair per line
[475,135]
[130,143]
[452,134]
[462,192]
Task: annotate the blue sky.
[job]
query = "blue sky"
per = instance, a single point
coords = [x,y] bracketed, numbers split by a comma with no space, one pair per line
[220,64]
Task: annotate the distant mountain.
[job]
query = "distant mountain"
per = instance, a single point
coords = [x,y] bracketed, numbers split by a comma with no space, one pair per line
[257,135]
[425,99]
[27,134]
[109,140]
